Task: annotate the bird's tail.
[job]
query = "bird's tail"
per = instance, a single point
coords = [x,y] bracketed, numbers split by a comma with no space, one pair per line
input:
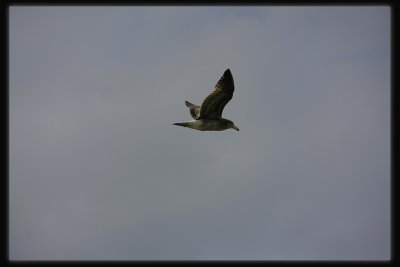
[183,124]
[195,124]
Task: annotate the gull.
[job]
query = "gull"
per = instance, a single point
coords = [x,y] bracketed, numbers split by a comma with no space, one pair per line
[207,117]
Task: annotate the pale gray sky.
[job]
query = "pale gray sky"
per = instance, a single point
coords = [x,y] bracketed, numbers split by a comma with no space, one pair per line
[98,171]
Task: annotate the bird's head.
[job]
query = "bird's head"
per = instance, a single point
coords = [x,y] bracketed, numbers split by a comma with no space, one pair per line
[233,126]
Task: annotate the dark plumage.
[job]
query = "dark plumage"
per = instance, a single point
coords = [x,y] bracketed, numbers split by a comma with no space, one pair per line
[207,117]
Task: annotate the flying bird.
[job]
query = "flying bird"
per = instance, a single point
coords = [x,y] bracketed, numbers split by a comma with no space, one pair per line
[207,117]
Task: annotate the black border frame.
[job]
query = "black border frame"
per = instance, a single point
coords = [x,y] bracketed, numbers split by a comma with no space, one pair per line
[395,11]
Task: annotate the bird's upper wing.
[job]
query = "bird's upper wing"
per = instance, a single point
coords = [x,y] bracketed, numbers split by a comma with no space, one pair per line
[214,103]
[194,109]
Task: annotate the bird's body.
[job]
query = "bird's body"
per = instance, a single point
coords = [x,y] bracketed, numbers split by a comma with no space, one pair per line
[207,117]
[218,124]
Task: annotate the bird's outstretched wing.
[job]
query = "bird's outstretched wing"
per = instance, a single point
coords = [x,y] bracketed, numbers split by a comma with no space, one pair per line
[214,103]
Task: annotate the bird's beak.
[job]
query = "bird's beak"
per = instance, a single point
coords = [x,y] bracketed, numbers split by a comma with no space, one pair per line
[236,128]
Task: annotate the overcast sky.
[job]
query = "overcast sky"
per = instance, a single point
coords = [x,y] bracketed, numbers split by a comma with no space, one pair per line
[98,171]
